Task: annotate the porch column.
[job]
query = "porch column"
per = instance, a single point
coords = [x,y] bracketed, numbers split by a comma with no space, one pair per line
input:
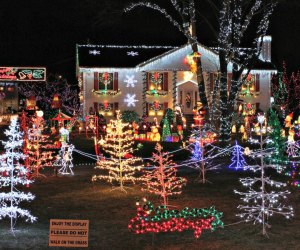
[144,105]
[174,81]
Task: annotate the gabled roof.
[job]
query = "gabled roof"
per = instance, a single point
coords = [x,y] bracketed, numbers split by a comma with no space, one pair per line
[151,57]
[174,59]
[104,56]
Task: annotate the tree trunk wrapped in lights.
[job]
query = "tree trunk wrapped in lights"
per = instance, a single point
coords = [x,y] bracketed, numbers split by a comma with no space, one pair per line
[235,19]
[162,180]
[121,165]
[13,173]
[187,26]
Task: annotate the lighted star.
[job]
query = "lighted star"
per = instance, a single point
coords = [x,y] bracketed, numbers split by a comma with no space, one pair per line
[130,100]
[132,53]
[94,52]
[130,81]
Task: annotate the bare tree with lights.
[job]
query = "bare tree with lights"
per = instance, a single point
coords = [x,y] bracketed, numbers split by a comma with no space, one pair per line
[187,25]
[236,17]
[162,180]
[13,173]
[121,165]
[264,203]
[55,85]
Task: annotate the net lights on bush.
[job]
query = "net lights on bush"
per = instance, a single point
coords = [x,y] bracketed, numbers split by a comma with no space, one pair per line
[13,173]
[160,219]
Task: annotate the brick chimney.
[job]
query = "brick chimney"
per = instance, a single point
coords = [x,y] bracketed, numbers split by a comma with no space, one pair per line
[265,43]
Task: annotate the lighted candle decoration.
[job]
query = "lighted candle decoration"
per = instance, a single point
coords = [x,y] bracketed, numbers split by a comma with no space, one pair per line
[155,220]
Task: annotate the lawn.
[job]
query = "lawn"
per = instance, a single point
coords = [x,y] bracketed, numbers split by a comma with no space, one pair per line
[109,211]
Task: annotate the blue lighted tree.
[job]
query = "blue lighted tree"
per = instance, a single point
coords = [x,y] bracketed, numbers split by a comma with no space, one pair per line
[237,161]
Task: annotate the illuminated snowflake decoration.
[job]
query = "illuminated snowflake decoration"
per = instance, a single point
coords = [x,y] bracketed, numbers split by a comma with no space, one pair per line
[130,81]
[130,100]
[94,52]
[132,53]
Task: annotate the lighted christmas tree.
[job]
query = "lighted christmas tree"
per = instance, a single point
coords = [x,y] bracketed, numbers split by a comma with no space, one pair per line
[39,147]
[121,165]
[276,142]
[162,180]
[203,152]
[13,173]
[261,201]
[237,161]
[166,129]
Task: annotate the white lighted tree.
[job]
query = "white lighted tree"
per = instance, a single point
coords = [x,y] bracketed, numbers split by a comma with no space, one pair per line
[162,180]
[261,201]
[13,173]
[121,164]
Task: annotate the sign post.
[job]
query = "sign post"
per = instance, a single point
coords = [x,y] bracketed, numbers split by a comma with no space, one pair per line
[68,233]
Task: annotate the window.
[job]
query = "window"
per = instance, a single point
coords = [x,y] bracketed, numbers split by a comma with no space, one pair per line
[106,83]
[250,86]
[156,108]
[157,83]
[249,109]
[106,108]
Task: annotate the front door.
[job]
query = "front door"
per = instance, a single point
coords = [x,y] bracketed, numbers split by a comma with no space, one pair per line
[187,96]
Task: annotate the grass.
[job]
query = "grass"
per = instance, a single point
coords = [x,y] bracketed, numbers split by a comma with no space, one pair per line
[109,211]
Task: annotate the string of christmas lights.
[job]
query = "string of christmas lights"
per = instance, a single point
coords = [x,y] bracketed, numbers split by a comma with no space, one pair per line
[150,220]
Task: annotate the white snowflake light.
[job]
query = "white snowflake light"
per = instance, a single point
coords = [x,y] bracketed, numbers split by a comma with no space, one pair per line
[130,100]
[94,52]
[130,81]
[132,53]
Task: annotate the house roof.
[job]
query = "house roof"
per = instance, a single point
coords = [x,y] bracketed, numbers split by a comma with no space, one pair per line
[263,65]
[99,56]
[150,57]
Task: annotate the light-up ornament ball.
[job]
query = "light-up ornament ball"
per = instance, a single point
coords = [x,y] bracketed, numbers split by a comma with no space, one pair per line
[261,119]
[39,113]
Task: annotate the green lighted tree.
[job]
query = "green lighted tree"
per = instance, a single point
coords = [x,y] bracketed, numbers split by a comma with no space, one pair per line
[277,141]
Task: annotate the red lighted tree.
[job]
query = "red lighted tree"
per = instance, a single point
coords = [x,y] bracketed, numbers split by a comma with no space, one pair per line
[162,180]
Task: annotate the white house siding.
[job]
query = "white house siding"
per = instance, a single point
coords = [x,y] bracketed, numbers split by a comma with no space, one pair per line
[90,97]
[172,61]
[264,95]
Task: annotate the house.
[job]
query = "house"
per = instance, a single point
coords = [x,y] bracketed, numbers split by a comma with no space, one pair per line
[10,80]
[150,79]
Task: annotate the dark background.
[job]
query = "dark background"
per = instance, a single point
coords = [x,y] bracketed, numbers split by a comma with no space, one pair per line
[45,32]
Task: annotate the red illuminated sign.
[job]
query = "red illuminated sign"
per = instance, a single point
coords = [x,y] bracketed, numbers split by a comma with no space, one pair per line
[22,74]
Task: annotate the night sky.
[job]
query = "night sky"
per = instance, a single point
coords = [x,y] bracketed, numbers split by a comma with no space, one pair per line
[45,32]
